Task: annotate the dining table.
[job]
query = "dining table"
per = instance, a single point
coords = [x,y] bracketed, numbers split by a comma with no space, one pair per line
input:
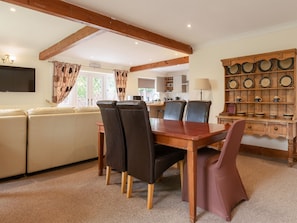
[189,136]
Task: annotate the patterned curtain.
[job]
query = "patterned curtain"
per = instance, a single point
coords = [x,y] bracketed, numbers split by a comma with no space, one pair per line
[64,78]
[121,80]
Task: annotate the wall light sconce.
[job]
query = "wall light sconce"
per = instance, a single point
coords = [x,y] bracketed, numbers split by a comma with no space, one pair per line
[202,84]
[8,59]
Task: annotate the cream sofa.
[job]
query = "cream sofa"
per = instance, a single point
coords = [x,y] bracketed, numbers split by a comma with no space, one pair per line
[60,136]
[13,138]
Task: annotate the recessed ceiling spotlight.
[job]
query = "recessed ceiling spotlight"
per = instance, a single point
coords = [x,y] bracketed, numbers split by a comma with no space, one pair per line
[12,9]
[136,43]
[189,26]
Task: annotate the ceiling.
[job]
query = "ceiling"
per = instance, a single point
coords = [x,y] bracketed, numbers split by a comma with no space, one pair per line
[28,31]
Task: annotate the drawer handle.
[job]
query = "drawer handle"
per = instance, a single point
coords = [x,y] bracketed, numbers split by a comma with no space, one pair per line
[249,127]
[275,128]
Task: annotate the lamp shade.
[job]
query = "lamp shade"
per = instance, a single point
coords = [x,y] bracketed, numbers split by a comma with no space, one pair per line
[202,84]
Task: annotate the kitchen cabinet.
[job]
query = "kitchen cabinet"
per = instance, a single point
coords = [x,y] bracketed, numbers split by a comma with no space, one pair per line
[168,84]
[180,83]
[160,84]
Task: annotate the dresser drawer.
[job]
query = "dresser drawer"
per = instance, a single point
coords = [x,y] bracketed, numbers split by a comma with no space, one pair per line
[253,128]
[277,130]
[225,121]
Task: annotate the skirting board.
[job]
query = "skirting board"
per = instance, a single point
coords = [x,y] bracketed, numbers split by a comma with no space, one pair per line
[262,151]
[259,151]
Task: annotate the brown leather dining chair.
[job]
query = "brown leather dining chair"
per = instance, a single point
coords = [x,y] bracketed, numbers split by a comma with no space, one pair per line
[197,111]
[116,155]
[219,186]
[174,110]
[146,160]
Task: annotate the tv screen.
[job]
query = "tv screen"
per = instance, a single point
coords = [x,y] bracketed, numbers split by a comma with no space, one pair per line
[17,79]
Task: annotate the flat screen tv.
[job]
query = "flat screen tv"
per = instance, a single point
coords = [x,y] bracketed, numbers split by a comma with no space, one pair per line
[17,79]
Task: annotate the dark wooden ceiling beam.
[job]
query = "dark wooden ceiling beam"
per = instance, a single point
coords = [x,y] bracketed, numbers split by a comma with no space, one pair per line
[165,63]
[90,18]
[68,42]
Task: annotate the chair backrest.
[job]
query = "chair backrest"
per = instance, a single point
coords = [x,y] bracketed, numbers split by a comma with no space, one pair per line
[231,145]
[174,110]
[114,135]
[139,139]
[197,111]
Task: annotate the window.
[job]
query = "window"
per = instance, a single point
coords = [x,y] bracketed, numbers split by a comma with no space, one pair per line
[91,87]
[147,89]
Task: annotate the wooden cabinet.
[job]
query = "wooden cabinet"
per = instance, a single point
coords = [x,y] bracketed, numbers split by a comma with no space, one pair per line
[176,84]
[262,89]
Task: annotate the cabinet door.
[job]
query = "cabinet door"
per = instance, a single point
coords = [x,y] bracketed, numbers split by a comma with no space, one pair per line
[160,84]
[179,83]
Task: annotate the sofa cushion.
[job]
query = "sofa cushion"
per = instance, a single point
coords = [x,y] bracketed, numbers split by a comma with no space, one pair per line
[12,112]
[50,110]
[87,109]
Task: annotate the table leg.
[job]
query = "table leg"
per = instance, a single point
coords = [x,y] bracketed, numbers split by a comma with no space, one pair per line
[192,182]
[100,153]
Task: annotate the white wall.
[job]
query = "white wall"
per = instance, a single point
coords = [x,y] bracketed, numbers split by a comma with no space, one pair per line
[206,62]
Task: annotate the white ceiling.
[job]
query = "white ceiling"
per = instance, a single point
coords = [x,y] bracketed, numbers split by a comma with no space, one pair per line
[212,21]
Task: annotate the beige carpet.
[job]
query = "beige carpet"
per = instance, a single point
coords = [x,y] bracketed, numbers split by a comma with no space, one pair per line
[76,194]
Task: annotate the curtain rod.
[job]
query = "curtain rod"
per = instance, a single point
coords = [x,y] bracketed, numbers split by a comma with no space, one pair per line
[87,66]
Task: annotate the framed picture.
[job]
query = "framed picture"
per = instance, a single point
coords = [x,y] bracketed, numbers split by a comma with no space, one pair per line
[231,109]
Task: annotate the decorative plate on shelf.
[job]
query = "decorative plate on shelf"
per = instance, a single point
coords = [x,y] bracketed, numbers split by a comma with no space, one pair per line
[248,83]
[286,81]
[265,65]
[248,67]
[259,114]
[285,64]
[241,113]
[234,69]
[288,116]
[233,84]
[265,82]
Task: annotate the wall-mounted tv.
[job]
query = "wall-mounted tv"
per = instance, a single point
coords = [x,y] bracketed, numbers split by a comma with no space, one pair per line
[17,79]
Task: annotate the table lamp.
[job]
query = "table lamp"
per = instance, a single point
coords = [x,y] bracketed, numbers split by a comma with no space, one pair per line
[202,84]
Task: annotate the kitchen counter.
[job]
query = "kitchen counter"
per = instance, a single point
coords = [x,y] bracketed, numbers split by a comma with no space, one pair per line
[156,109]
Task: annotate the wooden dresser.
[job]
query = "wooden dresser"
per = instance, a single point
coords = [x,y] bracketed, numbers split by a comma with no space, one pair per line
[262,90]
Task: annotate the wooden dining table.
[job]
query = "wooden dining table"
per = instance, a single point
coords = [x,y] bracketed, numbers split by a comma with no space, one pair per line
[189,136]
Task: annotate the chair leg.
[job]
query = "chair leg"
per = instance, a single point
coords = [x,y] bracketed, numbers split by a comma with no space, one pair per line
[124,182]
[150,195]
[107,178]
[181,170]
[129,186]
